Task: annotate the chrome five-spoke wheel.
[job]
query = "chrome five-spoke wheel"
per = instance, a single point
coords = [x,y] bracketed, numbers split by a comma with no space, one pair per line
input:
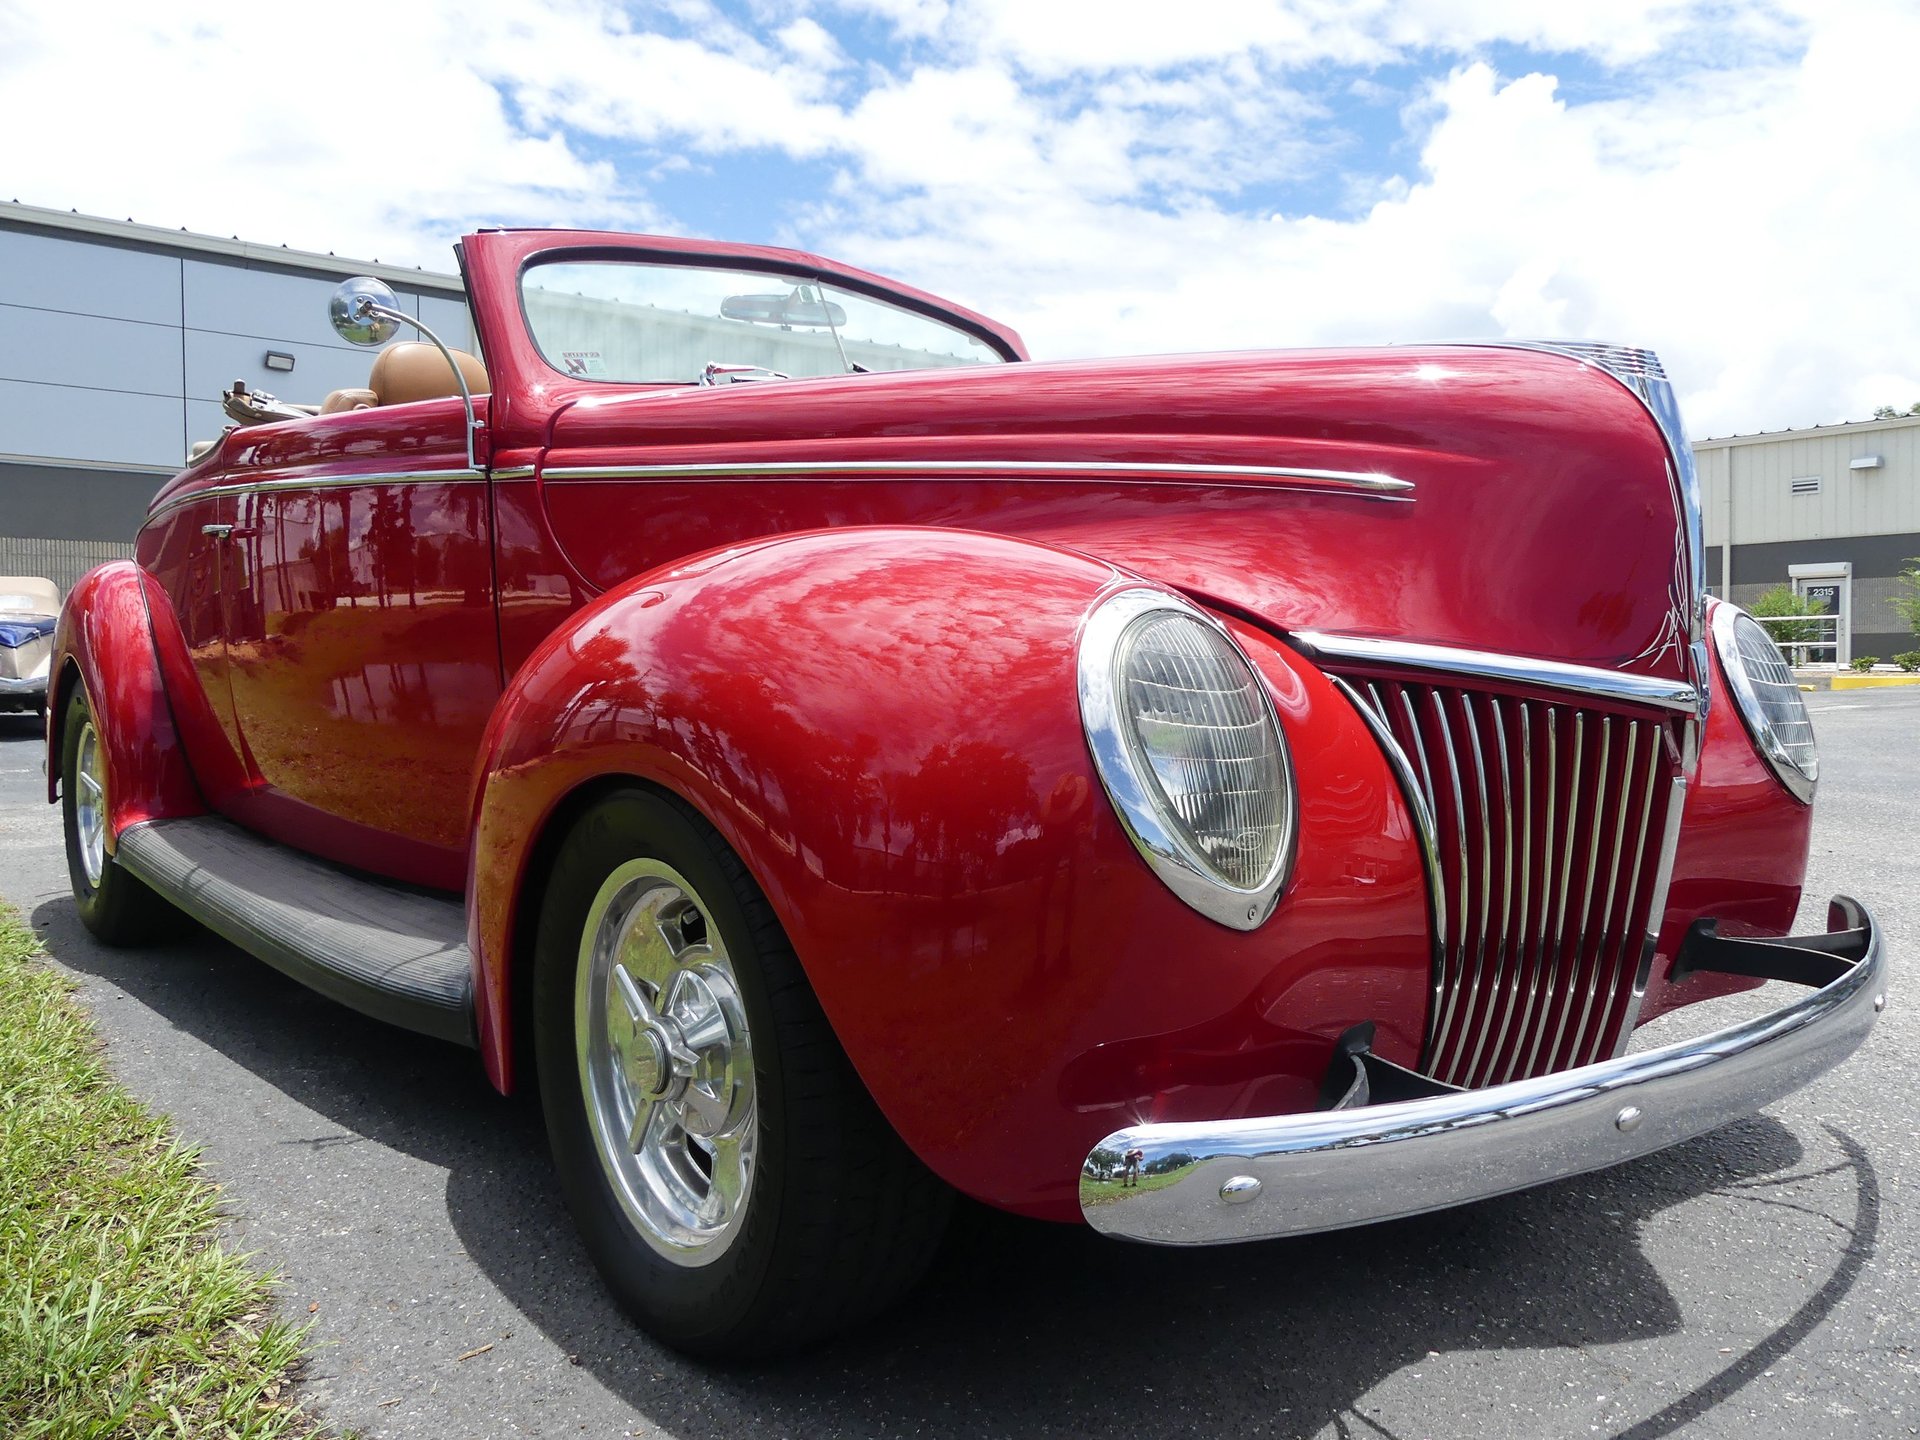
[734,1182]
[90,802]
[666,1062]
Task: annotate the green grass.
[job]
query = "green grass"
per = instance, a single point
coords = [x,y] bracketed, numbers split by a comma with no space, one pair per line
[1112,1190]
[120,1313]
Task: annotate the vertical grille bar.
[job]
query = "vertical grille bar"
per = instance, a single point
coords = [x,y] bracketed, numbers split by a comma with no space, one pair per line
[1535,972]
[1555,976]
[1577,965]
[1598,976]
[1440,746]
[1544,887]
[1500,985]
[1520,967]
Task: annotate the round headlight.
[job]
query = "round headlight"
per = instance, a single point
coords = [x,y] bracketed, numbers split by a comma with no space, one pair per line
[1767,697]
[1189,749]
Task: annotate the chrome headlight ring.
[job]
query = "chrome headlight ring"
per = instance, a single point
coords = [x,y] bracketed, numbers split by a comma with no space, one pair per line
[1188,745]
[1768,698]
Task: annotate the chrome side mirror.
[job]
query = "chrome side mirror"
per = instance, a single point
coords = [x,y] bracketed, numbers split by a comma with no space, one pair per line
[366,312]
[355,309]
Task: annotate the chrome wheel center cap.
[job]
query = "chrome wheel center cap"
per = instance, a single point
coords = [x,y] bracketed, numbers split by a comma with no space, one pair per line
[650,1064]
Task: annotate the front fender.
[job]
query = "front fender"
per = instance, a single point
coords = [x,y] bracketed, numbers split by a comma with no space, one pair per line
[105,637]
[884,725]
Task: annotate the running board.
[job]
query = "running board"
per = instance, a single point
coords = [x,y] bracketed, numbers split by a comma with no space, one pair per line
[395,954]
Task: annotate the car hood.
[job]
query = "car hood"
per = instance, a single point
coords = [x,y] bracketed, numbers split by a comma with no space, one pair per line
[1542,517]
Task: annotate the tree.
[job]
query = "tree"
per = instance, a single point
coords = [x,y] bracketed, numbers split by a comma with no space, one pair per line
[1909,604]
[1890,412]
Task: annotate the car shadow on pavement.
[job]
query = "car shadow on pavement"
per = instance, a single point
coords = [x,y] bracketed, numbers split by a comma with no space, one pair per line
[1022,1328]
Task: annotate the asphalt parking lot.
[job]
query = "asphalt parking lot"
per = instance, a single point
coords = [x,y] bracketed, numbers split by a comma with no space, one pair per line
[1760,1281]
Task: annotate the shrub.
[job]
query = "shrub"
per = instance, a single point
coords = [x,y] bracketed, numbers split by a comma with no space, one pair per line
[1864,663]
[1908,660]
[1780,601]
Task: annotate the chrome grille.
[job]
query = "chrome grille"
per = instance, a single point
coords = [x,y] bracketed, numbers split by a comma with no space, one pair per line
[1547,821]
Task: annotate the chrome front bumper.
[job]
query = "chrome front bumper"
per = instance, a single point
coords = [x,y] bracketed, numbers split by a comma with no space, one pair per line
[1210,1183]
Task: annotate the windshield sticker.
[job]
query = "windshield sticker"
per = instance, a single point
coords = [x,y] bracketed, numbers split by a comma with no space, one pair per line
[585,363]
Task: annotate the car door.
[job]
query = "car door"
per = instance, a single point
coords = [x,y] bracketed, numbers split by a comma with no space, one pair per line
[364,659]
[186,547]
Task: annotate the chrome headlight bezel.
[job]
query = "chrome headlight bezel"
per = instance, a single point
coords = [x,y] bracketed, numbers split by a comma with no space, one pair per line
[1800,781]
[1158,835]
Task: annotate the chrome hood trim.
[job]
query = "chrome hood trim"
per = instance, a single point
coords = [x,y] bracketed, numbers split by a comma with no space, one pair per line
[1514,669]
[1372,483]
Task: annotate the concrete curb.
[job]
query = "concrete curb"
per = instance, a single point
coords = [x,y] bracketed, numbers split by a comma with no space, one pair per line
[1873,682]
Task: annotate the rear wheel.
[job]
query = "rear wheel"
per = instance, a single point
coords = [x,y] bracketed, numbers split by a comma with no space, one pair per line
[116,907]
[736,1185]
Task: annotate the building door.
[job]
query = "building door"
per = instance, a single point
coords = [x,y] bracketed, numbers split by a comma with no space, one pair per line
[1828,591]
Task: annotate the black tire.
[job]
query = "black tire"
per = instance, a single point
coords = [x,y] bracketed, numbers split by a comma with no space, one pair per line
[119,909]
[840,1218]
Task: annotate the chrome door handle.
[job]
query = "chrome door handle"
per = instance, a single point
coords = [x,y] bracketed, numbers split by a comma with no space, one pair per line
[217,532]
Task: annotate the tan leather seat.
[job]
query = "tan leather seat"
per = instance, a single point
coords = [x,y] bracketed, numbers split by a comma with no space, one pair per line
[411,370]
[338,400]
[414,370]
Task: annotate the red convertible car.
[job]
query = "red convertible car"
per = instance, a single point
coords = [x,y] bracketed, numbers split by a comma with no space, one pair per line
[846,763]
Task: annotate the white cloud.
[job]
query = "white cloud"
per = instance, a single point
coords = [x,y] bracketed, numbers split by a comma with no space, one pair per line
[1753,222]
[261,122]
[1101,175]
[810,43]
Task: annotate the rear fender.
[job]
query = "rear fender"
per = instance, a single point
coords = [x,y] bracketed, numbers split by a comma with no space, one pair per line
[105,639]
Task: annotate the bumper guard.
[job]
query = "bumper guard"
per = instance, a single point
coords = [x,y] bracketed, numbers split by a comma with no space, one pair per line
[1209,1183]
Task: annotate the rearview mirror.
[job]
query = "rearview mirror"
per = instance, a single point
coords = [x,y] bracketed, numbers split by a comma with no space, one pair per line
[797,308]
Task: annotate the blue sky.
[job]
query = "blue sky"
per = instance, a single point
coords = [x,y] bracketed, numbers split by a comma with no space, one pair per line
[1729,182]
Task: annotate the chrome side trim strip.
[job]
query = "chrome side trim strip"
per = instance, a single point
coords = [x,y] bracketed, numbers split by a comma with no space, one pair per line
[458,475]
[1229,1180]
[1514,669]
[1371,483]
[514,472]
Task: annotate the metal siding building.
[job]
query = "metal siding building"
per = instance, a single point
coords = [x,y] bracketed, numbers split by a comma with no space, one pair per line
[116,341]
[1834,510]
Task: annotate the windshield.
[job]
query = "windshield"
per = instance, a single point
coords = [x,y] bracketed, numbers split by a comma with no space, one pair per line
[636,322]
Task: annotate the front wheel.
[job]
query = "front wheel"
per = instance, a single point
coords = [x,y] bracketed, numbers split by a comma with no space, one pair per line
[734,1182]
[115,906]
